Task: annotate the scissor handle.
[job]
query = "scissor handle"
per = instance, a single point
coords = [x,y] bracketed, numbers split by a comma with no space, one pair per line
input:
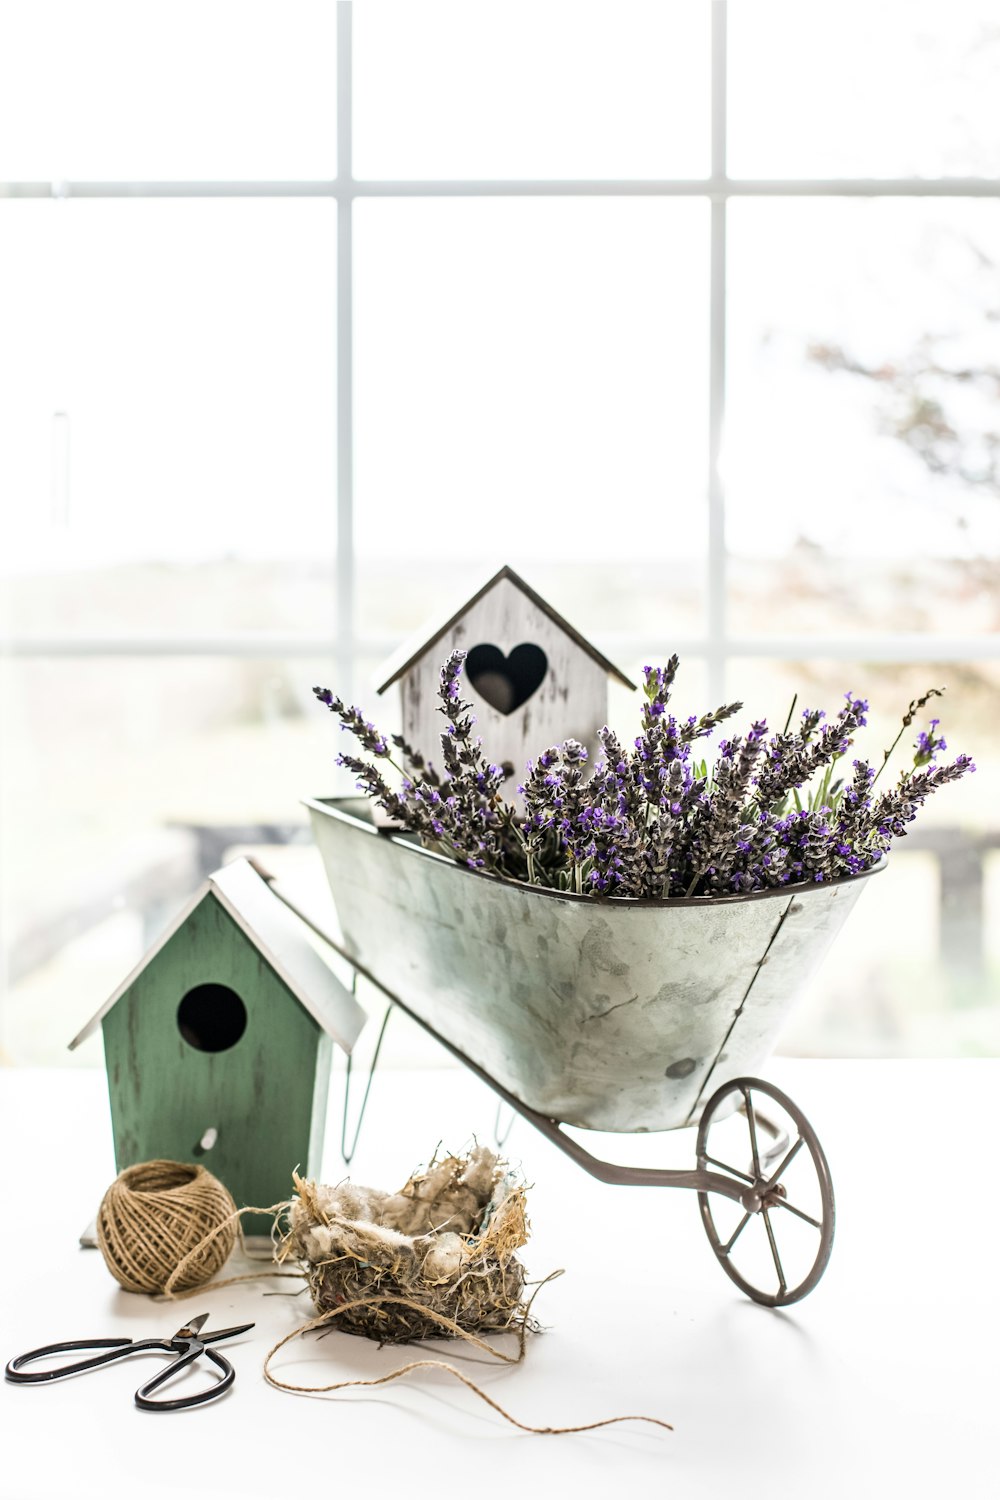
[118,1348]
[210,1393]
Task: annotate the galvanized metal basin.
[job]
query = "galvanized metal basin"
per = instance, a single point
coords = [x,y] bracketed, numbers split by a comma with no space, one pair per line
[618,1014]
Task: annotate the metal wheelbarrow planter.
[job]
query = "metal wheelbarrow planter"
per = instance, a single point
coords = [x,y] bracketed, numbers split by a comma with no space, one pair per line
[620,1015]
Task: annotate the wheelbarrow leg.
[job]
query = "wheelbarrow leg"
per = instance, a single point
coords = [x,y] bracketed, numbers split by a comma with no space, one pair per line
[503,1127]
[347,1151]
[775,1204]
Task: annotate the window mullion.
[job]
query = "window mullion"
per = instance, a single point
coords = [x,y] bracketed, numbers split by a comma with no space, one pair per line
[344,617]
[716,580]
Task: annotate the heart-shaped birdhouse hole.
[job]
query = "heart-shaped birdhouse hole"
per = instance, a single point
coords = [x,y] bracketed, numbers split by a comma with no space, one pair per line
[505,682]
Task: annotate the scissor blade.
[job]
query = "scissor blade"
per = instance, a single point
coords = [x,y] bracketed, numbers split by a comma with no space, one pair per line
[226,1333]
[192,1327]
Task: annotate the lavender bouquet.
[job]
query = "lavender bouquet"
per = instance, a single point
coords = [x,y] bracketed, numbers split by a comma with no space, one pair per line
[652,820]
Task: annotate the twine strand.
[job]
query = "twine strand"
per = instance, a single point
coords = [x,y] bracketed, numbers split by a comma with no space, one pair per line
[437,1364]
[177,1283]
[155,1210]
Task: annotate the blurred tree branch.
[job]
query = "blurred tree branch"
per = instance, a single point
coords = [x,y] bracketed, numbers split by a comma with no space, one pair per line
[945,410]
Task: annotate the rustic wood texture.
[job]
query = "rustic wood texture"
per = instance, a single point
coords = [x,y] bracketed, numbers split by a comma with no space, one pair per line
[266,1095]
[282,942]
[409,653]
[570,703]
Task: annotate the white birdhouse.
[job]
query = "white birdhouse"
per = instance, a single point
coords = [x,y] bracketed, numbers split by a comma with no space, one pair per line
[533,679]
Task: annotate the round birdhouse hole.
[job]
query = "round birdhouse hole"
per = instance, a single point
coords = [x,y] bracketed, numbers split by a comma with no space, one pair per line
[211,1017]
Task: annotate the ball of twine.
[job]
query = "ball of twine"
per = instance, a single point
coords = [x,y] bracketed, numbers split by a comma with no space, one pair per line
[161,1217]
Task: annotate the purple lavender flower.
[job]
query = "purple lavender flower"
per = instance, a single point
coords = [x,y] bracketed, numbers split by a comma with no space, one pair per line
[413,759]
[648,820]
[724,814]
[793,759]
[908,718]
[697,729]
[929,745]
[353,720]
[373,784]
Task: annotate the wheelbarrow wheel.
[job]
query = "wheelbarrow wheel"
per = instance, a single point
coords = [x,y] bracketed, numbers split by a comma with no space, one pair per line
[776,1242]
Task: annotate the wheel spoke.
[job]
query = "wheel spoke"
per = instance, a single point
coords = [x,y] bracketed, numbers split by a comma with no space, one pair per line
[725,1249]
[783,1203]
[762,1185]
[712,1161]
[788,1158]
[753,1135]
[782,1284]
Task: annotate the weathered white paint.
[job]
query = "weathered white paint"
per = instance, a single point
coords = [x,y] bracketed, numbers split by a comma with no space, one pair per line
[570,703]
[281,942]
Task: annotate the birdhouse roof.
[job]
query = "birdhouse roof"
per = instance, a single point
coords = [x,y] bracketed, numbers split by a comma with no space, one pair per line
[278,937]
[412,651]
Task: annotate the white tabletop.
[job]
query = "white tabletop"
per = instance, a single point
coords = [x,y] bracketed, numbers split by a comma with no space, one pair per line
[883,1382]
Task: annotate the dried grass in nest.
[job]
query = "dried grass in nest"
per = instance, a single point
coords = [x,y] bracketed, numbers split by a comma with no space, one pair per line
[445,1244]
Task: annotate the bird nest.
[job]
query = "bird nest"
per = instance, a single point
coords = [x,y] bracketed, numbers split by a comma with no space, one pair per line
[403,1266]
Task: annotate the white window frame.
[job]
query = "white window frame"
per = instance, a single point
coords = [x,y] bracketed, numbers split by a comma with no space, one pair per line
[716,645]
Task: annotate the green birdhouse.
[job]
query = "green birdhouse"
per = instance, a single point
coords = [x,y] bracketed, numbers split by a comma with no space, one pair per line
[218,1045]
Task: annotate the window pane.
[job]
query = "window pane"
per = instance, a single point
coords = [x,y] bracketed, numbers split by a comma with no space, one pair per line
[905,88]
[168,89]
[124,784]
[862,456]
[168,375]
[531,387]
[915,972]
[551,88]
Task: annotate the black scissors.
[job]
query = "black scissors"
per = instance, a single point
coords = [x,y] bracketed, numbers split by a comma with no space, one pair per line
[187,1344]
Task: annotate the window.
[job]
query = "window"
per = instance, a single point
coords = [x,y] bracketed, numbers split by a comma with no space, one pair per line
[688,312]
